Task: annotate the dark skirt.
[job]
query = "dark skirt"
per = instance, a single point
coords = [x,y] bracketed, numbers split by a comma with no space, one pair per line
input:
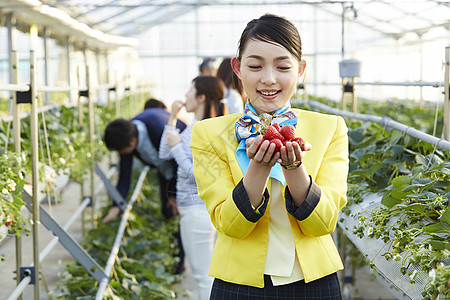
[326,288]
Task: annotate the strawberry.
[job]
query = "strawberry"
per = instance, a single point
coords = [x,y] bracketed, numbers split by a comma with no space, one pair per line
[277,126]
[288,131]
[272,133]
[9,220]
[278,144]
[299,141]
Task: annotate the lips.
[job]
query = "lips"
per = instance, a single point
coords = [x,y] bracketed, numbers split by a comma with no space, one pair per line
[269,93]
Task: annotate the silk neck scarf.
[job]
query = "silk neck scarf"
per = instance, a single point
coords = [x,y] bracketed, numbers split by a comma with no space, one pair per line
[250,124]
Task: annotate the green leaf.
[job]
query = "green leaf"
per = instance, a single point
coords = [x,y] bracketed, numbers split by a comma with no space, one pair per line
[357,154]
[397,150]
[416,207]
[390,201]
[401,181]
[445,171]
[390,160]
[398,193]
[375,168]
[401,167]
[441,227]
[438,245]
[446,216]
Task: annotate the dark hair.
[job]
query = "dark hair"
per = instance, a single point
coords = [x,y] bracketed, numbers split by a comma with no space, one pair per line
[153,103]
[206,64]
[272,29]
[118,134]
[214,90]
[225,72]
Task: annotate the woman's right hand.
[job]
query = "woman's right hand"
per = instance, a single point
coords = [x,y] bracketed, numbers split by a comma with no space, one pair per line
[176,107]
[262,152]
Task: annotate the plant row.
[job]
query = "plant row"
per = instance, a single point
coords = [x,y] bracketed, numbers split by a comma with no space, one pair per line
[412,177]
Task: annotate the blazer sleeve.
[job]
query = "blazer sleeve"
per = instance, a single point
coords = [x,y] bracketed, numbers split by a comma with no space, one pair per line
[215,184]
[318,214]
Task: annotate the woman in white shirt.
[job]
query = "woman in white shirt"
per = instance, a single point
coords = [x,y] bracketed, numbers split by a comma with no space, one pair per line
[197,232]
[233,87]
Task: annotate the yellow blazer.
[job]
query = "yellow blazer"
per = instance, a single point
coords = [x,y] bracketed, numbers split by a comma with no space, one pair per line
[240,251]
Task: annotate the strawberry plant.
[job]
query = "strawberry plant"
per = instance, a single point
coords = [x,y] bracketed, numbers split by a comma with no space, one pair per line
[145,265]
[12,180]
[413,220]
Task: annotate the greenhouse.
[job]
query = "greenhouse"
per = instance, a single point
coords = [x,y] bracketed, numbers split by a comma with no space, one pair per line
[88,212]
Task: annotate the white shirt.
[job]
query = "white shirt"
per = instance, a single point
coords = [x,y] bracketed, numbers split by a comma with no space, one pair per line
[281,260]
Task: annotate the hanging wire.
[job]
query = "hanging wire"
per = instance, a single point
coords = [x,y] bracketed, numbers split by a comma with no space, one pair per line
[7,135]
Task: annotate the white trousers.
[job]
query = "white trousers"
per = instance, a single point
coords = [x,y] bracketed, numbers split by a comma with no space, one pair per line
[198,236]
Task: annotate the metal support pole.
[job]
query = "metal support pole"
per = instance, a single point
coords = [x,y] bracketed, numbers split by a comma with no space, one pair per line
[35,172]
[46,65]
[80,103]
[92,145]
[447,95]
[354,101]
[16,139]
[344,104]
[69,72]
[342,30]
[10,26]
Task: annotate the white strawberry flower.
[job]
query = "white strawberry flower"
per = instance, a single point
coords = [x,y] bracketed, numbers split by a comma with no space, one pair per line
[432,275]
[11,184]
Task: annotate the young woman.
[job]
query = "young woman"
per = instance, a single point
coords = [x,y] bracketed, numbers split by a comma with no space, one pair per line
[197,233]
[233,90]
[274,211]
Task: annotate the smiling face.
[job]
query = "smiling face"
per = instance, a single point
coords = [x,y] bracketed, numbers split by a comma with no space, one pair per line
[269,74]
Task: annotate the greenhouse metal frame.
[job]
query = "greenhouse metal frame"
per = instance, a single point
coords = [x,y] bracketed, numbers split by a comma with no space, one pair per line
[99,28]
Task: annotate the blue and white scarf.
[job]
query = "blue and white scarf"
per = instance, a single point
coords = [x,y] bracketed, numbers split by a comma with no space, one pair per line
[250,124]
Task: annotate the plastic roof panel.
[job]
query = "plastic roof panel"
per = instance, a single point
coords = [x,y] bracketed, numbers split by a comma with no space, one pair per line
[393,18]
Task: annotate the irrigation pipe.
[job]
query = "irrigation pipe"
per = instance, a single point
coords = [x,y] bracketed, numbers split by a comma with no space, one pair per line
[434,84]
[385,121]
[58,88]
[20,288]
[115,249]
[15,87]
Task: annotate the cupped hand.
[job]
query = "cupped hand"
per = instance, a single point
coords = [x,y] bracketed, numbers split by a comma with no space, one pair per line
[292,153]
[262,152]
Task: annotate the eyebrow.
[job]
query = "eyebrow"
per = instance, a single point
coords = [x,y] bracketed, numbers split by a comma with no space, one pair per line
[262,58]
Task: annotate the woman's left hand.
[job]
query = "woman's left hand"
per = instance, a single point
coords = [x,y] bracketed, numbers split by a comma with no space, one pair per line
[172,138]
[292,153]
[261,151]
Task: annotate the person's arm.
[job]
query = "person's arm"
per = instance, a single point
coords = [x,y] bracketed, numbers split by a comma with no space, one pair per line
[318,212]
[125,170]
[262,160]
[180,152]
[227,201]
[123,185]
[164,148]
